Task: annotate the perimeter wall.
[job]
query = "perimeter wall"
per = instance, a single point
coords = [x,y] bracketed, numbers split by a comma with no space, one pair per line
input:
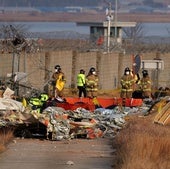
[110,67]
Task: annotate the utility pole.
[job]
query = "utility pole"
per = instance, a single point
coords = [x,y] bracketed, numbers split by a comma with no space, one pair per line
[108,35]
[109,17]
[115,21]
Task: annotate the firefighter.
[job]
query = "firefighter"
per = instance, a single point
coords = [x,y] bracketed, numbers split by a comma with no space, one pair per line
[60,81]
[127,84]
[145,85]
[92,83]
[81,83]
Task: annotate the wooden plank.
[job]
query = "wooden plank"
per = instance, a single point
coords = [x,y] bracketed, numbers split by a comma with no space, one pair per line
[165,117]
[161,113]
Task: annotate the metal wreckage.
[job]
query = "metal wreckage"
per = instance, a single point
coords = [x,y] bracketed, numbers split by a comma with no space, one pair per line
[72,118]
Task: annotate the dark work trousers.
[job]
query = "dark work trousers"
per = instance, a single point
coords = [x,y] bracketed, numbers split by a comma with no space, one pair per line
[82,90]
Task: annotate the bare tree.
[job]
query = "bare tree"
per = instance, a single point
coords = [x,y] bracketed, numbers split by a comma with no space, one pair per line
[168,30]
[135,33]
[15,38]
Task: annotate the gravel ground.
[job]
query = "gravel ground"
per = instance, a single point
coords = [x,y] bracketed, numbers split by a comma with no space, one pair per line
[45,154]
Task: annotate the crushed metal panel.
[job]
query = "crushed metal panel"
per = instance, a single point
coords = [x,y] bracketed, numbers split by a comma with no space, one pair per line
[152,64]
[10,104]
[8,93]
[20,76]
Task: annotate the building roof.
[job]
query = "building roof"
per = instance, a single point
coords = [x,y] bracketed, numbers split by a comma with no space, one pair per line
[105,24]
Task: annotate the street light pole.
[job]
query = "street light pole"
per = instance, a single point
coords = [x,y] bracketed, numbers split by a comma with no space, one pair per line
[109,18]
[115,20]
[108,37]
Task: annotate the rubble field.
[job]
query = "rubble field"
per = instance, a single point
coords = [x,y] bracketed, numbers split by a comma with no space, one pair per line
[58,134]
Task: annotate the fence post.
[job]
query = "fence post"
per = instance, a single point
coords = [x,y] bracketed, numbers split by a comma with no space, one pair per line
[74,55]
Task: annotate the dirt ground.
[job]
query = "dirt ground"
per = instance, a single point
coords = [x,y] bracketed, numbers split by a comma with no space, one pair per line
[45,154]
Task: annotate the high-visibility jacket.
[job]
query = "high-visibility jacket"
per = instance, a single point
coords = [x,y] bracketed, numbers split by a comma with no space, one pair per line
[145,84]
[92,83]
[127,82]
[81,79]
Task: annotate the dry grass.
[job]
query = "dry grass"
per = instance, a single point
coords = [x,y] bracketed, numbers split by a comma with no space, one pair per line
[6,134]
[143,145]
[140,145]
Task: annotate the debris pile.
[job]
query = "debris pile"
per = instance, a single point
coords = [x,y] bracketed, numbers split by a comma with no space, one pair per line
[60,123]
[63,124]
[68,124]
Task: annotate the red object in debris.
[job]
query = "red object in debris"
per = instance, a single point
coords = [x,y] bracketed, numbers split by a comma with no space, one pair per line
[74,106]
[73,100]
[86,106]
[72,103]
[46,122]
[94,133]
[64,105]
[63,116]
[134,102]
[131,102]
[93,121]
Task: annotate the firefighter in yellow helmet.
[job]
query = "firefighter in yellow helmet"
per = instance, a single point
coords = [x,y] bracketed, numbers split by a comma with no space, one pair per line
[145,85]
[60,81]
[127,83]
[92,83]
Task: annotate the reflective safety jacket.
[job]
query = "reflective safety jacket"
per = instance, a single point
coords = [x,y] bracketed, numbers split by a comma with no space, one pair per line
[145,84]
[37,103]
[127,82]
[81,79]
[92,83]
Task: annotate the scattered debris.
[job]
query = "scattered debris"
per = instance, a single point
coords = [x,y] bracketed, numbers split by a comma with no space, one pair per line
[64,120]
[70,163]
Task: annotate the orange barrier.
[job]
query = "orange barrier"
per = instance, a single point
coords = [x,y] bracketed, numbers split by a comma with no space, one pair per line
[73,102]
[75,105]
[106,102]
